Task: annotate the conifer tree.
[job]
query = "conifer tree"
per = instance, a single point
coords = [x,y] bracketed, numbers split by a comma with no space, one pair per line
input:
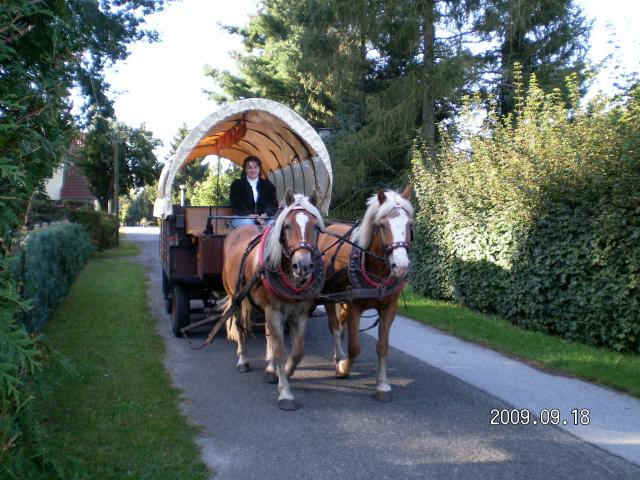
[545,37]
[378,71]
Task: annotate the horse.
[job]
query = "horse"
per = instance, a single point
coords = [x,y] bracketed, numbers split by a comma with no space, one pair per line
[377,264]
[283,275]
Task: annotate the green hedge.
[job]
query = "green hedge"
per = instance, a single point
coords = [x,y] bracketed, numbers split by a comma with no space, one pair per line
[100,226]
[32,283]
[45,267]
[541,223]
[22,452]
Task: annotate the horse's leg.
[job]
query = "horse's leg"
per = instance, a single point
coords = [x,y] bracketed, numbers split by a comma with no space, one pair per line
[275,319]
[270,370]
[243,361]
[350,315]
[337,332]
[387,315]
[236,331]
[298,328]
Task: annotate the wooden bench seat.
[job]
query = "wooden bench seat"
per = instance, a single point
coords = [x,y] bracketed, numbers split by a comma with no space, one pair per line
[196,220]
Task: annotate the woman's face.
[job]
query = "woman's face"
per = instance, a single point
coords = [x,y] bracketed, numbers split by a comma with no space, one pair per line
[252,170]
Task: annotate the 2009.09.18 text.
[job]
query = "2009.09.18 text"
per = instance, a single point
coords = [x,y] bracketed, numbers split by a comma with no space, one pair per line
[551,416]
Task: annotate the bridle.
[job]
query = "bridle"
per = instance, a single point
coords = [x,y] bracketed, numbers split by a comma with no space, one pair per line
[287,250]
[389,248]
[276,281]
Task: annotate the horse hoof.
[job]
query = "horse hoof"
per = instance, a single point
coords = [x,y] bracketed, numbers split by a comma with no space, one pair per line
[270,377]
[243,368]
[288,405]
[383,396]
[342,371]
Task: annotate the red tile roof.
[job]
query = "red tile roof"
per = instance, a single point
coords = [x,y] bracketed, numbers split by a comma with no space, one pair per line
[75,185]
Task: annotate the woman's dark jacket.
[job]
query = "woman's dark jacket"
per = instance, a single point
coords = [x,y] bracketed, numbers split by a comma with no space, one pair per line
[242,202]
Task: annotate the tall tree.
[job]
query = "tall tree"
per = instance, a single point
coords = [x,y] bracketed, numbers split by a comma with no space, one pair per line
[270,66]
[35,126]
[380,70]
[545,37]
[137,164]
[428,52]
[46,48]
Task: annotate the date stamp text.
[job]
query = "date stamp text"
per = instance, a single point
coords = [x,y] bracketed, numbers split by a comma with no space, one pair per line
[546,416]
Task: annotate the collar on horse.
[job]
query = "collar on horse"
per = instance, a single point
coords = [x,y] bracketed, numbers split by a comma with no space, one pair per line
[362,285]
[360,279]
[277,283]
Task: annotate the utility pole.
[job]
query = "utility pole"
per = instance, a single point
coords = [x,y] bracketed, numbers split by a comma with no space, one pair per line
[115,190]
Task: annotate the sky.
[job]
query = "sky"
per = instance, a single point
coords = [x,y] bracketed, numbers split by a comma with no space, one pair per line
[161,84]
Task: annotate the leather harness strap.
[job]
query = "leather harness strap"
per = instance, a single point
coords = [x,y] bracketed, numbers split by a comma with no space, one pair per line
[277,283]
[362,286]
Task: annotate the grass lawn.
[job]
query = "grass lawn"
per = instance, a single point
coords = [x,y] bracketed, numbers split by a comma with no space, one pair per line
[620,371]
[107,401]
[125,249]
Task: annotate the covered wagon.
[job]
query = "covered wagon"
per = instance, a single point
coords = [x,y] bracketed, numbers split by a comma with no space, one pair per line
[293,156]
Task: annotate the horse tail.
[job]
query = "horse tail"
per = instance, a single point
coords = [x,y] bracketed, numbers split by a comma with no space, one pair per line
[240,323]
[234,331]
[247,317]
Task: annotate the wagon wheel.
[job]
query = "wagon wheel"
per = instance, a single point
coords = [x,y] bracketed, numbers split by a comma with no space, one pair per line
[179,309]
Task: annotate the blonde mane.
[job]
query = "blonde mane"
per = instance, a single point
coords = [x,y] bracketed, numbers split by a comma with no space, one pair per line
[273,247]
[375,212]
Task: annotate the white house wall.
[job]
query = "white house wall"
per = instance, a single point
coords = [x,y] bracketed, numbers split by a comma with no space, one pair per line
[53,186]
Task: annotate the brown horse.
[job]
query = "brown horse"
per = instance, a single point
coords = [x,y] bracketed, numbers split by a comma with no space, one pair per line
[287,273]
[385,233]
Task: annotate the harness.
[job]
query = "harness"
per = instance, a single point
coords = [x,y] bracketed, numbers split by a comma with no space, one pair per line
[360,279]
[362,286]
[275,281]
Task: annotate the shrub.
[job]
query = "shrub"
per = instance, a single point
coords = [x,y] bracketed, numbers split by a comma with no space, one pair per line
[46,266]
[541,222]
[22,450]
[100,226]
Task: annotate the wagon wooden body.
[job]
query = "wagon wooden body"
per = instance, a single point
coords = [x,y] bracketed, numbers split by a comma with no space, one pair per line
[191,238]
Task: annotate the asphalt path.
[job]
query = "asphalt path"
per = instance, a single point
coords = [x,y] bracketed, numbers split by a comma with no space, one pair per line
[437,426]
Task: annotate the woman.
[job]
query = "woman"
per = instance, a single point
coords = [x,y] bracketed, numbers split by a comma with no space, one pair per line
[252,196]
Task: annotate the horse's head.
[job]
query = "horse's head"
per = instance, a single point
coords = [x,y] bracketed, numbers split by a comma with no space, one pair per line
[297,228]
[390,216]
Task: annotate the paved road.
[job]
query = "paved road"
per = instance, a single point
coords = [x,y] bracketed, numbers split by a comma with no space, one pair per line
[437,426]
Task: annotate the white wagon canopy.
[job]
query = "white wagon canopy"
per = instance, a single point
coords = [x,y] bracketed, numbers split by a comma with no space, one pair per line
[292,153]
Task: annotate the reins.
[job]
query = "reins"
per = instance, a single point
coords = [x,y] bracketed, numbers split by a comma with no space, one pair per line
[277,283]
[362,286]
[274,281]
[236,300]
[344,239]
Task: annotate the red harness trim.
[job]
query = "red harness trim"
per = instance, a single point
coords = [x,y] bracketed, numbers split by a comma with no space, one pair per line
[372,283]
[283,278]
[364,276]
[285,281]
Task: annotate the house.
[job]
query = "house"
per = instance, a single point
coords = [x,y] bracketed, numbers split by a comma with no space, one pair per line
[69,184]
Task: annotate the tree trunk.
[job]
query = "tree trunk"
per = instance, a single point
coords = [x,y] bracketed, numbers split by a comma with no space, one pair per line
[428,102]
[104,201]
